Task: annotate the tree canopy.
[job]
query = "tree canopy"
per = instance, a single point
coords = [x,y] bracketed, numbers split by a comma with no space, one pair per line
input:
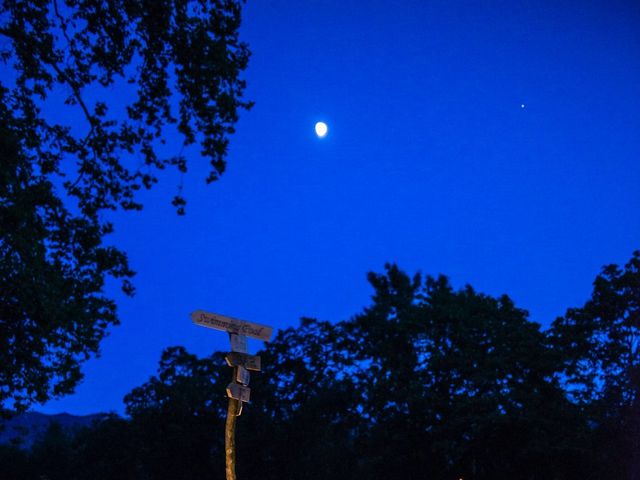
[428,381]
[90,91]
[52,270]
[599,344]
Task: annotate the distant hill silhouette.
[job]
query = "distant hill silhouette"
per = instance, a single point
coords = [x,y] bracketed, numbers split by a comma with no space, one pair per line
[24,429]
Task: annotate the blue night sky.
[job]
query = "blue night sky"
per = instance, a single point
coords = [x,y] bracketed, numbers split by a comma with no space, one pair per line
[431,162]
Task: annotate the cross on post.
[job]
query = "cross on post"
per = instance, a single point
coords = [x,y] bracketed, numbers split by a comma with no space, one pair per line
[239,359]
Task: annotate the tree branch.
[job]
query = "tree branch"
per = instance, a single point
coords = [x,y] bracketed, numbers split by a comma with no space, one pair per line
[20,37]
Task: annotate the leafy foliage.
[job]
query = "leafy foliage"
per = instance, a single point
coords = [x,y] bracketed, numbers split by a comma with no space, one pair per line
[600,347]
[53,268]
[68,157]
[427,382]
[303,416]
[463,374]
[176,415]
[601,340]
[53,453]
[106,451]
[174,52]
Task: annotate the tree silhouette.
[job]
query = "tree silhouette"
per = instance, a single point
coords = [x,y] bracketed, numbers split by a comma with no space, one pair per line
[176,69]
[459,383]
[51,275]
[15,463]
[52,454]
[426,382]
[600,348]
[107,450]
[302,420]
[177,417]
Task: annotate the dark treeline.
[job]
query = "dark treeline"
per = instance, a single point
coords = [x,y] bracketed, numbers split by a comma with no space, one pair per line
[428,382]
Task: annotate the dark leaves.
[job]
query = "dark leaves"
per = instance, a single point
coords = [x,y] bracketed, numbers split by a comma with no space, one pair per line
[59,175]
[180,53]
[52,274]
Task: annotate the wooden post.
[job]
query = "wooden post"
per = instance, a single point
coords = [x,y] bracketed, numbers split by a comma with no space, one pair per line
[230,436]
[237,391]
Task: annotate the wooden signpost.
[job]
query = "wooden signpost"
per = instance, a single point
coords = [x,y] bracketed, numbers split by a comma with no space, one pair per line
[242,376]
[232,325]
[238,343]
[238,392]
[239,358]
